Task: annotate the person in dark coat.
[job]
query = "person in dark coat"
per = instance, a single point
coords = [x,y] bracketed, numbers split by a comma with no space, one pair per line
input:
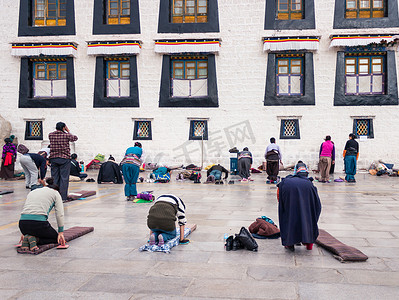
[244,164]
[110,172]
[299,209]
[75,167]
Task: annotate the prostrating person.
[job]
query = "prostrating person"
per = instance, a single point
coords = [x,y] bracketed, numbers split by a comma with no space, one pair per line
[131,168]
[34,165]
[110,172]
[244,164]
[299,209]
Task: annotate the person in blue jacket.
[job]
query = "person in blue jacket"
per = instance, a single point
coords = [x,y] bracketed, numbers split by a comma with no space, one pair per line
[130,168]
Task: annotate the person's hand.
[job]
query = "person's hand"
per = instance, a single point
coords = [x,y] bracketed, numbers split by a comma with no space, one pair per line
[333,162]
[41,181]
[66,129]
[61,239]
[21,239]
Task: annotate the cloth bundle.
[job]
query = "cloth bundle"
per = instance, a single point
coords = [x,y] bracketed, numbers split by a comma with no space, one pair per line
[264,228]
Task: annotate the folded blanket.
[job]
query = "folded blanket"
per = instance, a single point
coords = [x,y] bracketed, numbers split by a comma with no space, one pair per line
[80,194]
[343,252]
[171,243]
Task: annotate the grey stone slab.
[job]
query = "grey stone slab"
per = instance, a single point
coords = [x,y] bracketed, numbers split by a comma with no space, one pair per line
[242,289]
[372,277]
[8,294]
[59,295]
[48,281]
[346,291]
[123,283]
[29,262]
[295,274]
[253,258]
[199,270]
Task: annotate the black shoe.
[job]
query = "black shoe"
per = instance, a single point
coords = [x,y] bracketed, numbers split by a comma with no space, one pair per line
[291,248]
[229,243]
[237,244]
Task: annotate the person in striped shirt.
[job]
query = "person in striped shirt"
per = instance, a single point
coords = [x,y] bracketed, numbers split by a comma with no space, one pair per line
[162,218]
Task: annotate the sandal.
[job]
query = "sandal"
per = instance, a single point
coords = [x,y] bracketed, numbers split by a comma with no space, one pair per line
[32,243]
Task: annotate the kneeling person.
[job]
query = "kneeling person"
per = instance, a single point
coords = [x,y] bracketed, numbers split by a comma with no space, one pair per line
[162,219]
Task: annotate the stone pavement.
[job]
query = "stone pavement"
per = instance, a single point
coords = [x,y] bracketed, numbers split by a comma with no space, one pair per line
[106,264]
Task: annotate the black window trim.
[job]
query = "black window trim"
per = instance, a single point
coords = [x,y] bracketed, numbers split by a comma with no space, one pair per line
[165,98]
[136,123]
[308,97]
[198,138]
[165,25]
[100,98]
[26,28]
[98,20]
[340,22]
[271,22]
[26,99]
[298,134]
[391,87]
[33,138]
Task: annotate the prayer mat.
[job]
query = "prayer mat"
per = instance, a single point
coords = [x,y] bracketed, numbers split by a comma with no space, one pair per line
[137,200]
[171,243]
[342,252]
[80,194]
[6,192]
[69,234]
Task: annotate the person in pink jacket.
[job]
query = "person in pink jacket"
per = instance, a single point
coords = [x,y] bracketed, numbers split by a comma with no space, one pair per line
[326,158]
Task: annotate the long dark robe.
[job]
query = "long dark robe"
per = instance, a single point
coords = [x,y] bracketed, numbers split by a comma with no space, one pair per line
[110,172]
[298,210]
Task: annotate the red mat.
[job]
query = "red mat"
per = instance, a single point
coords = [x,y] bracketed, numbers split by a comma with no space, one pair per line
[69,235]
[342,251]
[80,194]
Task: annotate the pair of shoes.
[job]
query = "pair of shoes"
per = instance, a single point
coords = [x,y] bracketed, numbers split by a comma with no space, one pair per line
[291,248]
[161,241]
[237,244]
[90,180]
[184,242]
[152,239]
[130,198]
[231,182]
[27,187]
[234,150]
[229,243]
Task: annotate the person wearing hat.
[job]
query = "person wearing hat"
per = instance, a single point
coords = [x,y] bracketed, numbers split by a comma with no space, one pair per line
[32,163]
[9,156]
[326,159]
[299,209]
[110,172]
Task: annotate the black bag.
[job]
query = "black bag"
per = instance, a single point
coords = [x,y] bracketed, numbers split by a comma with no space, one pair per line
[247,240]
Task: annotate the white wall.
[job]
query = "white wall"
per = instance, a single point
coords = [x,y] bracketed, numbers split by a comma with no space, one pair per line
[241,76]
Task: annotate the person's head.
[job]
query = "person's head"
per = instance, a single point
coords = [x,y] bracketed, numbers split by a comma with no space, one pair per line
[137,144]
[352,136]
[60,126]
[51,184]
[272,140]
[22,149]
[7,140]
[301,169]
[245,149]
[328,138]
[12,137]
[74,156]
[111,158]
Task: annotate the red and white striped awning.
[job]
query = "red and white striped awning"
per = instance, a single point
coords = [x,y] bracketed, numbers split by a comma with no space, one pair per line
[361,40]
[291,43]
[50,49]
[113,47]
[187,46]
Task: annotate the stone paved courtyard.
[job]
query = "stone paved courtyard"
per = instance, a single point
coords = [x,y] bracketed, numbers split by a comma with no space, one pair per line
[106,263]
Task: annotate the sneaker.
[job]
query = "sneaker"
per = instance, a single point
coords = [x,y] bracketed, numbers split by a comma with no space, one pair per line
[152,240]
[161,242]
[184,242]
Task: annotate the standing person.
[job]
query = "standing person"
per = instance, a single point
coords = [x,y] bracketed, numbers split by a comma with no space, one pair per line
[35,228]
[244,164]
[130,168]
[326,158]
[299,209]
[32,163]
[60,153]
[75,168]
[273,158]
[351,155]
[9,156]
[162,218]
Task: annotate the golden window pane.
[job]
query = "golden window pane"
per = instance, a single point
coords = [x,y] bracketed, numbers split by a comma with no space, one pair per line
[143,129]
[35,128]
[199,128]
[289,128]
[362,127]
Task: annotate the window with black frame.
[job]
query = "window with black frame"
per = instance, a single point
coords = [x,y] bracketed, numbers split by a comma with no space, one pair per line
[34,130]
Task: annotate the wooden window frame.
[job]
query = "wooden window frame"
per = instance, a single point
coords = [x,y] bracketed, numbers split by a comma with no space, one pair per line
[185,16]
[357,74]
[28,132]
[370,127]
[186,60]
[59,20]
[289,74]
[290,13]
[121,62]
[58,63]
[122,18]
[297,131]
[368,12]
